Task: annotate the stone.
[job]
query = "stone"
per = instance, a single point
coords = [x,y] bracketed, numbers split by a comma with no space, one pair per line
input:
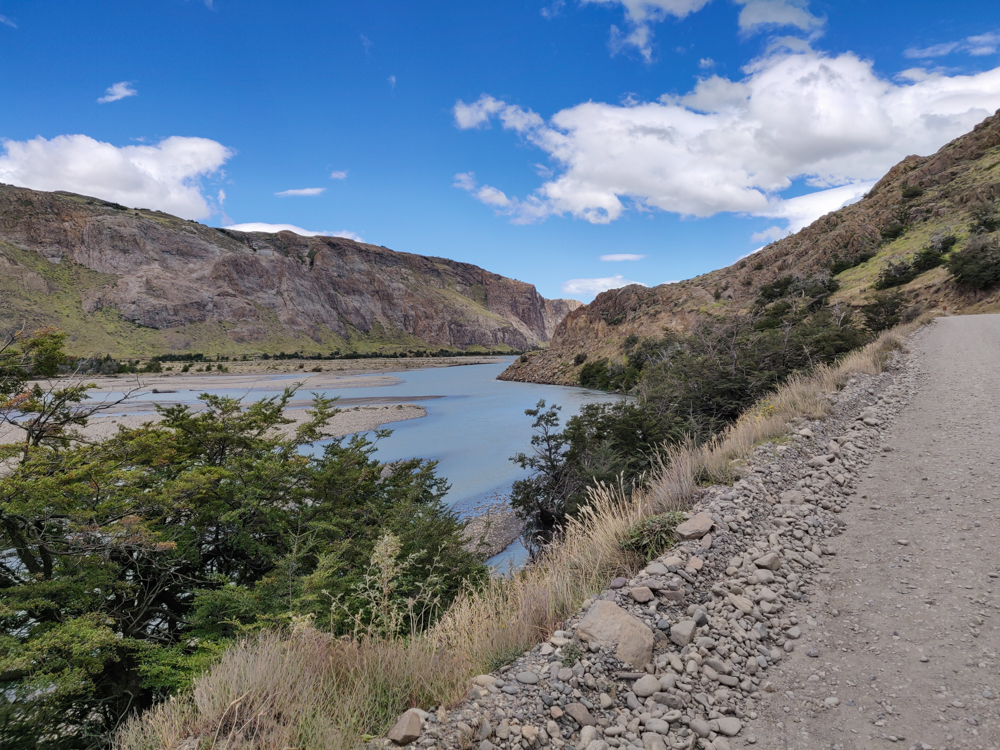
[792,497]
[656,569]
[695,527]
[579,713]
[813,652]
[527,678]
[641,594]
[645,686]
[653,741]
[502,731]
[529,733]
[806,432]
[609,625]
[695,564]
[741,603]
[699,727]
[721,743]
[406,729]
[485,680]
[588,735]
[682,632]
[657,725]
[485,745]
[764,576]
[770,561]
[606,701]
[794,632]
[618,583]
[729,726]
[565,674]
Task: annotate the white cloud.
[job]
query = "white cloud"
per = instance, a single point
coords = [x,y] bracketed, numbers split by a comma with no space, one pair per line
[592,287]
[979,45]
[755,16]
[485,194]
[706,62]
[615,257]
[7,22]
[339,175]
[258,226]
[392,82]
[641,14]
[118,91]
[166,176]
[301,193]
[735,145]
[763,14]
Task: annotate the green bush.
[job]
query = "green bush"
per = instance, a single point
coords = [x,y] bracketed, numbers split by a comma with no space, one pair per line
[977,265]
[905,271]
[133,562]
[650,536]
[893,230]
[839,266]
[984,219]
[912,191]
[580,358]
[882,311]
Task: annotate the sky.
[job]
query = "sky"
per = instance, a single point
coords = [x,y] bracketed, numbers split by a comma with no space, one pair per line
[578,145]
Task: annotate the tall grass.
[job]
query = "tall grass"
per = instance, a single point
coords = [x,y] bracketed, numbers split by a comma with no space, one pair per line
[307,690]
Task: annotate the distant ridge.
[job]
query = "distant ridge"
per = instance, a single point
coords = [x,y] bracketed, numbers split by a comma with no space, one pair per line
[133,282]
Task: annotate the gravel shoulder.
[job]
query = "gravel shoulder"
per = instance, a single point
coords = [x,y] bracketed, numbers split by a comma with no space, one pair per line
[840,595]
[906,620]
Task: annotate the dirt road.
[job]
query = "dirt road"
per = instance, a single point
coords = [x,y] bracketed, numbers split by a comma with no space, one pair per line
[906,617]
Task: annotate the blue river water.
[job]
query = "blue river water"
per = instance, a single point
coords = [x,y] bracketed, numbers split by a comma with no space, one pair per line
[474,424]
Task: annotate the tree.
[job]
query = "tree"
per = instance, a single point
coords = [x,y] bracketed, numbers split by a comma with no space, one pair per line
[128,564]
[977,265]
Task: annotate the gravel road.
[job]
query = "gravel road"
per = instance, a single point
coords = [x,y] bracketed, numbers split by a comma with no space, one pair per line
[905,617]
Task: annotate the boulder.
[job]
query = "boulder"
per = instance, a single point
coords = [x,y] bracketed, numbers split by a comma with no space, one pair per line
[682,632]
[695,527]
[771,561]
[609,625]
[406,728]
[579,713]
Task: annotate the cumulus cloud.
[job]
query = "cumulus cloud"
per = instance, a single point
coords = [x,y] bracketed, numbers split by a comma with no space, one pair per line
[735,145]
[593,287]
[118,91]
[301,193]
[167,176]
[258,226]
[615,257]
[979,45]
[764,14]
[339,175]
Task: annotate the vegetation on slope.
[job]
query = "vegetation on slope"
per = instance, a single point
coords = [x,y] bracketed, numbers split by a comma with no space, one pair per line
[129,565]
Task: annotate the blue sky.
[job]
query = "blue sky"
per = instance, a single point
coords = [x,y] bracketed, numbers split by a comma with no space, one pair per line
[530,138]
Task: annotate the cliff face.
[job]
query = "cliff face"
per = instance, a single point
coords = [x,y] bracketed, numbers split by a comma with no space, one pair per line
[920,195]
[79,262]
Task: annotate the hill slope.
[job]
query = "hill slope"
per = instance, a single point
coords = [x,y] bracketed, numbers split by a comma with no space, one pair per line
[134,281]
[918,198]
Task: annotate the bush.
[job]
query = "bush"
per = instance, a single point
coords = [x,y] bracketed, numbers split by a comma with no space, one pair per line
[977,265]
[912,191]
[839,266]
[898,274]
[984,219]
[652,535]
[133,562]
[893,230]
[580,358]
[882,311]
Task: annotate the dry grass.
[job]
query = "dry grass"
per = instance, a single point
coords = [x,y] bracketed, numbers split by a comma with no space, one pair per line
[310,691]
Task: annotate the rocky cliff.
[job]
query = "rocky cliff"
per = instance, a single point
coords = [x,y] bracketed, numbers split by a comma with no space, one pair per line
[919,197]
[134,281]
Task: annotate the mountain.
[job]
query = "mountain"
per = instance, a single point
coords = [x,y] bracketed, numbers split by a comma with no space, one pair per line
[134,281]
[919,198]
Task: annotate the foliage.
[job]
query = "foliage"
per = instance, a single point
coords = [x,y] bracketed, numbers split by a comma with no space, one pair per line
[893,230]
[580,358]
[905,271]
[985,219]
[977,265]
[882,311]
[571,654]
[651,535]
[680,388]
[912,191]
[838,265]
[129,564]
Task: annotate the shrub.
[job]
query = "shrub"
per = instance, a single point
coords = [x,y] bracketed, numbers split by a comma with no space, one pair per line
[977,265]
[650,536]
[905,271]
[984,219]
[580,358]
[893,230]
[912,191]
[839,266]
[882,311]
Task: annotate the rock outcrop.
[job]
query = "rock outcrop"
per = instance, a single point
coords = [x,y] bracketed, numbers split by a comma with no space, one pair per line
[920,196]
[81,263]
